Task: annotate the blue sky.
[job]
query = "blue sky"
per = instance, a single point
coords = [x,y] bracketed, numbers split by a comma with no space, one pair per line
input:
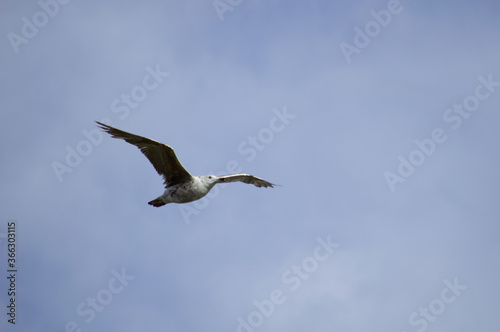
[387,214]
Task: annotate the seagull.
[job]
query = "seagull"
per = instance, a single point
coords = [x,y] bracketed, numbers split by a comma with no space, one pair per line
[180,186]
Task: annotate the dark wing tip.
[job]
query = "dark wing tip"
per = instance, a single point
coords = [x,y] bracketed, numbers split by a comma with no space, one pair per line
[269,184]
[103,126]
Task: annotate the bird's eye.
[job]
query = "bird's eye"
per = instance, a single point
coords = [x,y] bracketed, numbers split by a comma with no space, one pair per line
[210,177]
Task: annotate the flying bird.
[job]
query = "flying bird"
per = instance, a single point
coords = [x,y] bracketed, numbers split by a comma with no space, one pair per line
[180,186]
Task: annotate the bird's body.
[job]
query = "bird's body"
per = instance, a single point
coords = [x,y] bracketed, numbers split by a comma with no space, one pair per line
[180,186]
[186,192]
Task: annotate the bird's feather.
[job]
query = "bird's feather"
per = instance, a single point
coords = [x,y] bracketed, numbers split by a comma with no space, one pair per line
[160,155]
[245,178]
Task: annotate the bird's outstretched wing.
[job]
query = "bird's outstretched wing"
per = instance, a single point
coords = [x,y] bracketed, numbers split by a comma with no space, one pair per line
[246,178]
[160,155]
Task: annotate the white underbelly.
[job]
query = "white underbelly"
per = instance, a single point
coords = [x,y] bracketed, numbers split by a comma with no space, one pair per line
[184,194]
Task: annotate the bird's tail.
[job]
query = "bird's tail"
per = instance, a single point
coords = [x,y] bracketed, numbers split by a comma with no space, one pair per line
[157,202]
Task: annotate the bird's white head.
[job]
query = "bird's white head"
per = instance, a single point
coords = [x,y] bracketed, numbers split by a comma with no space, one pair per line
[209,180]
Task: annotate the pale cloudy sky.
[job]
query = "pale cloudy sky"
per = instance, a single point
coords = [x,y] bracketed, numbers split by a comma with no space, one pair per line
[379,119]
